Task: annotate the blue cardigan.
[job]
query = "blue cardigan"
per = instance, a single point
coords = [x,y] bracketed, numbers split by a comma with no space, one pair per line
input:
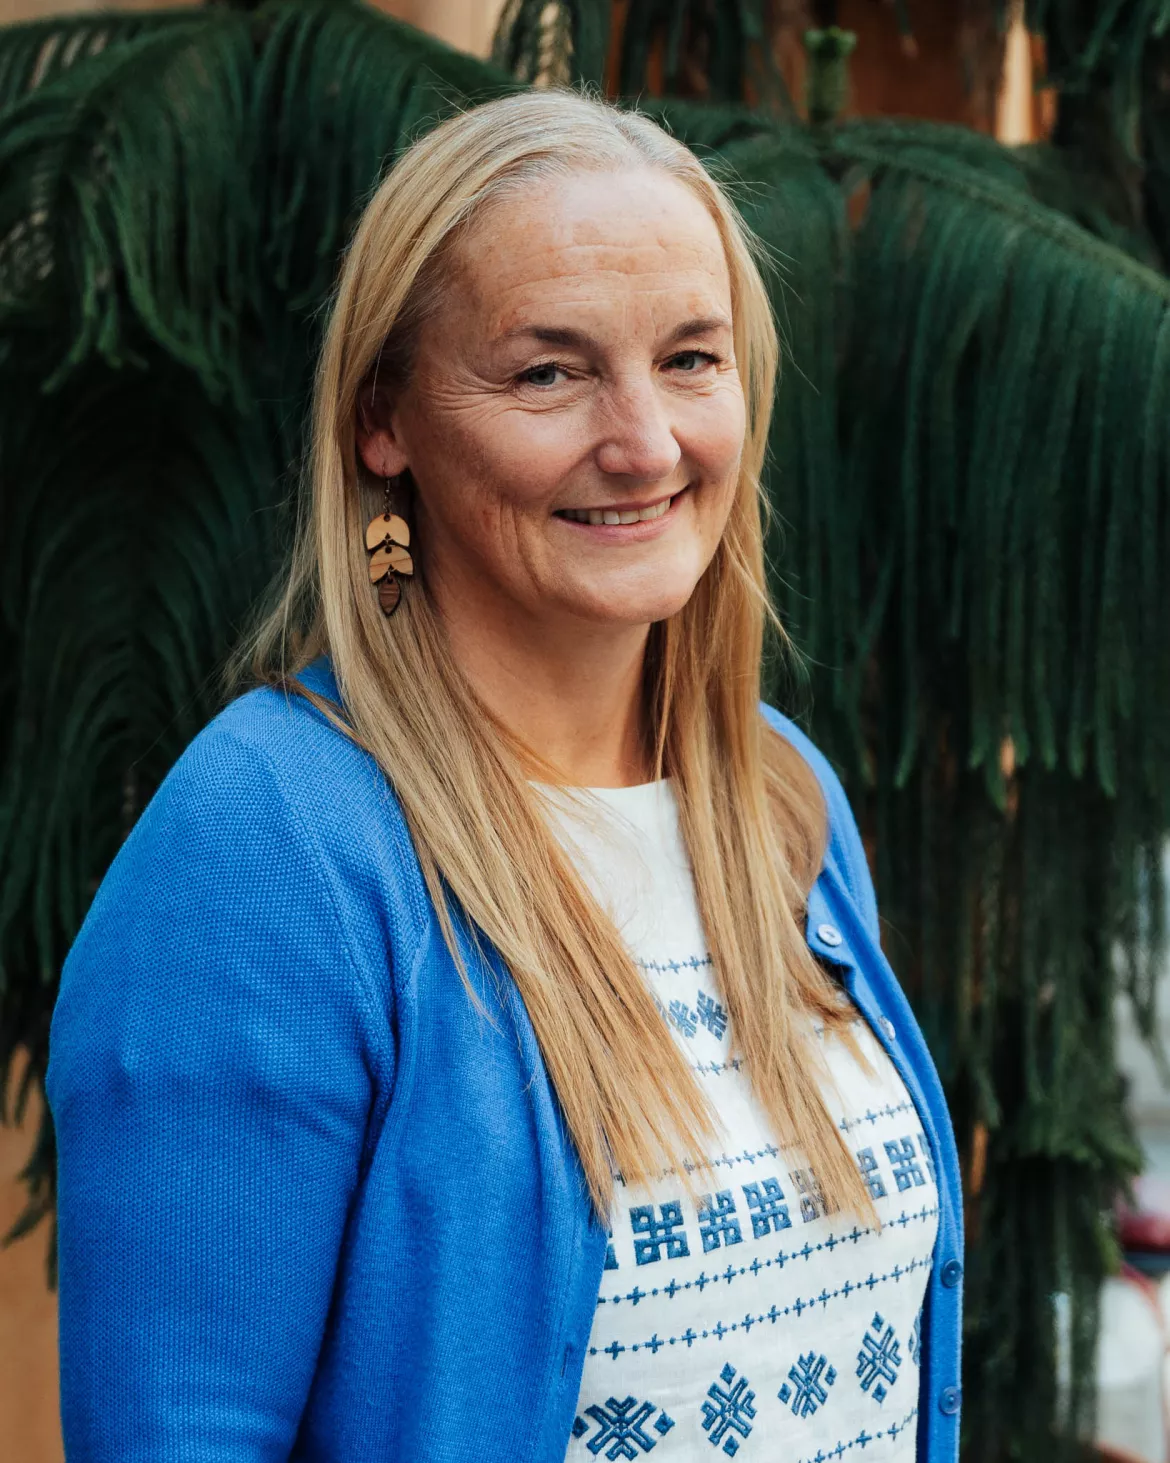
[311,1204]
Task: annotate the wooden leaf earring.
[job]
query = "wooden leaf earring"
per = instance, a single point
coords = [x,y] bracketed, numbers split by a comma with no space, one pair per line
[387,539]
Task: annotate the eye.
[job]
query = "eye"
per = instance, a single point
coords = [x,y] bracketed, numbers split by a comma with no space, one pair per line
[525,377]
[707,356]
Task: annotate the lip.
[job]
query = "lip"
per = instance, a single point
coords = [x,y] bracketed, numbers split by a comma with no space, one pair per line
[628,532]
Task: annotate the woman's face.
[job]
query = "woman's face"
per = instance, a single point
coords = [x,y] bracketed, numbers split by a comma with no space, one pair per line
[575,418]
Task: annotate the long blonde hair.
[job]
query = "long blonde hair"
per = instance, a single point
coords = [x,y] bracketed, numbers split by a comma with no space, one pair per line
[751,810]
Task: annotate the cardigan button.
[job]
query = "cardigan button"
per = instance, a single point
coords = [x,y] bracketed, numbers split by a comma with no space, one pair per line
[829,935]
[952,1273]
[888,1027]
[948,1401]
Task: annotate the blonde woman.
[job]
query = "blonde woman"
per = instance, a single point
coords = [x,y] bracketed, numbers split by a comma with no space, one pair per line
[482,1048]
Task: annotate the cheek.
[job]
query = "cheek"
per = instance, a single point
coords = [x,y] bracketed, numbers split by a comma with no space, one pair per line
[716,438]
[502,462]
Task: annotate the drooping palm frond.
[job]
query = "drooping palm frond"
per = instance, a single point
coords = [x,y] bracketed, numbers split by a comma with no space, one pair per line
[971,460]
[1005,435]
[86,236]
[171,216]
[969,474]
[1090,39]
[1109,63]
[41,51]
[692,49]
[956,269]
[140,522]
[376,85]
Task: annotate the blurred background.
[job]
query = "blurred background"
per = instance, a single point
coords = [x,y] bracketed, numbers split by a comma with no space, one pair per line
[967,203]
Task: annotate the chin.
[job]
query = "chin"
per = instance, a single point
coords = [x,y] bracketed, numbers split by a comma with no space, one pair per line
[626,607]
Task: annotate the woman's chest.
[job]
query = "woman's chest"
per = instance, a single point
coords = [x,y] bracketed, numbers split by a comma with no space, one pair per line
[750,1319]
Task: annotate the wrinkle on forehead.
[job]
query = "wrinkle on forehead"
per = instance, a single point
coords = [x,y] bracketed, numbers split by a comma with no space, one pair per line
[563,249]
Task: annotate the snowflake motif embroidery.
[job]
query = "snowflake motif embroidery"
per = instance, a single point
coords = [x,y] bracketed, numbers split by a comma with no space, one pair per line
[658,1232]
[915,1343]
[717,1221]
[711,1015]
[620,1427]
[610,1258]
[869,1172]
[879,1359]
[900,1152]
[683,1017]
[809,1379]
[766,1200]
[731,1410]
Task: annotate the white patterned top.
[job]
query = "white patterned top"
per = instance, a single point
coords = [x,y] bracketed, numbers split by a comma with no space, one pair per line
[752,1324]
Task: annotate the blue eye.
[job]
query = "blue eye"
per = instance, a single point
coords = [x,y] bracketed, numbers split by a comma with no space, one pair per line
[697,355]
[526,376]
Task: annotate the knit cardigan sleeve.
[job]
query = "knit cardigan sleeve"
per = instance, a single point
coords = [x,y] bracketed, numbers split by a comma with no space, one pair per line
[209,1080]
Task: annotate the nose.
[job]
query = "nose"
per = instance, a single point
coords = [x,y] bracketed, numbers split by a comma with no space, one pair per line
[637,432]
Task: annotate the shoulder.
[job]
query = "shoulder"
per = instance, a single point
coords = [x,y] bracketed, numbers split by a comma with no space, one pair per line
[273,828]
[272,756]
[845,850]
[271,772]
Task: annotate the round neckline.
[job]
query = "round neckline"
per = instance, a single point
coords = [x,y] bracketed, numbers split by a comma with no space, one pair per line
[636,792]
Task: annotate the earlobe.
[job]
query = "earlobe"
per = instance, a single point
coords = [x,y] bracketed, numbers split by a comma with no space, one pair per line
[378,447]
[377,442]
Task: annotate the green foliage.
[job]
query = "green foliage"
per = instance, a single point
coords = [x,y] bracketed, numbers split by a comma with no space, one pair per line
[1091,40]
[970,476]
[1110,61]
[171,217]
[717,53]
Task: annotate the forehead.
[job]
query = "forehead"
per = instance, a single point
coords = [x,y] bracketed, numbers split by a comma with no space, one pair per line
[592,239]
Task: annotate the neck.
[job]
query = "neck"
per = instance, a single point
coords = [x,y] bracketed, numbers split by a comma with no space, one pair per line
[572,692]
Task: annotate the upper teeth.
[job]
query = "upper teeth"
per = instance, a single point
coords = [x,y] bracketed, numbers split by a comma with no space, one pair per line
[610,515]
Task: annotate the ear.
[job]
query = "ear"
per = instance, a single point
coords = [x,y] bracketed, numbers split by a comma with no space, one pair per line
[379,445]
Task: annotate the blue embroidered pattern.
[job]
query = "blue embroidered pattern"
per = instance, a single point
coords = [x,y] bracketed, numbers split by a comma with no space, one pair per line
[717,1221]
[658,1232]
[780,1259]
[775,1313]
[904,1161]
[915,1344]
[872,1115]
[672,967]
[620,1427]
[714,1068]
[730,1410]
[766,1200]
[879,1359]
[683,1017]
[812,1198]
[646,1338]
[809,1379]
[926,1158]
[869,1172]
[749,1155]
[711,1015]
[862,1440]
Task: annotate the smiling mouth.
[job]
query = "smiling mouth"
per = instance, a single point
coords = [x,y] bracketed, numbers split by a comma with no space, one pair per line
[615,516]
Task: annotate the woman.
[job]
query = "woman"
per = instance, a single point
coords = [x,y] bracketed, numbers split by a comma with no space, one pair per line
[482,1049]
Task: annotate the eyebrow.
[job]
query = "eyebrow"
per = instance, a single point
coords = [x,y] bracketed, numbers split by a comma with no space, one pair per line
[565,335]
